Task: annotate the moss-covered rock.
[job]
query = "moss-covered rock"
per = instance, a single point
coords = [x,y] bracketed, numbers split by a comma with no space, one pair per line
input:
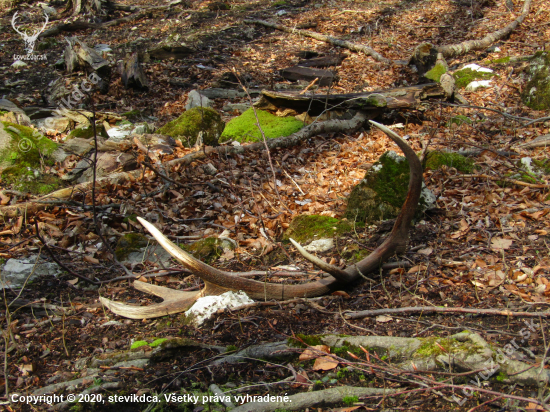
[435,159]
[536,93]
[244,127]
[465,76]
[210,248]
[306,228]
[87,132]
[23,155]
[201,124]
[382,192]
[128,243]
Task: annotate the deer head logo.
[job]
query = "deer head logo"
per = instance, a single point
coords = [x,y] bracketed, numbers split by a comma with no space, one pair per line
[30,40]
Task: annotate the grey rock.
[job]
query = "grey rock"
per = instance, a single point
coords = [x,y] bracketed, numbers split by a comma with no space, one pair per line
[16,272]
[152,253]
[236,107]
[53,124]
[195,99]
[76,146]
[320,245]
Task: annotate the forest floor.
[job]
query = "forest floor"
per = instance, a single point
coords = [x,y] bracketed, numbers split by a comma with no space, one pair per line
[473,251]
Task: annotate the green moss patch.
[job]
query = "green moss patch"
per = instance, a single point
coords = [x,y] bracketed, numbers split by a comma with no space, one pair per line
[130,242]
[194,124]
[138,344]
[466,76]
[209,249]
[382,192]
[244,127]
[536,93]
[132,114]
[502,60]
[459,120]
[24,156]
[305,228]
[87,132]
[435,159]
[436,72]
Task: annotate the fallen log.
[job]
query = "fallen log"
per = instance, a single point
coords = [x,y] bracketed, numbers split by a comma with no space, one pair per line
[314,104]
[294,73]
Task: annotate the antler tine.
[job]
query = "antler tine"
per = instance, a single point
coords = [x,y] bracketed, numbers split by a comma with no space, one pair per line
[13,21]
[228,281]
[335,271]
[397,240]
[175,301]
[45,23]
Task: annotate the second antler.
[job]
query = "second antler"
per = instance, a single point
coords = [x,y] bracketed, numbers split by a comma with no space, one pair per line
[218,281]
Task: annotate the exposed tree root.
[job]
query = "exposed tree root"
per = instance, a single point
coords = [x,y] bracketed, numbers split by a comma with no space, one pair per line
[301,401]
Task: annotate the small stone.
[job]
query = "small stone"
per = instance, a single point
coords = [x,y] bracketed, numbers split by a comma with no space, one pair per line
[18,64]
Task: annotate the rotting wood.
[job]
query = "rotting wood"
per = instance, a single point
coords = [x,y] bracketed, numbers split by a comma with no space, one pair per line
[78,55]
[397,98]
[294,73]
[132,73]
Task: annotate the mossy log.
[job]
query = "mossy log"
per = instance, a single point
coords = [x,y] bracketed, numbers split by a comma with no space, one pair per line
[397,98]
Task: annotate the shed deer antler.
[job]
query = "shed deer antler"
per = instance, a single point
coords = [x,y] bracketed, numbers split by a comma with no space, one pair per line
[218,281]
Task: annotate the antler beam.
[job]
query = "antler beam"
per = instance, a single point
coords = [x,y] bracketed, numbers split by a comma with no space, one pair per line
[218,281]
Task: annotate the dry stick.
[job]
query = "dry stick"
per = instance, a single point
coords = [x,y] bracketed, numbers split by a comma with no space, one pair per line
[328,39]
[501,179]
[452,50]
[427,309]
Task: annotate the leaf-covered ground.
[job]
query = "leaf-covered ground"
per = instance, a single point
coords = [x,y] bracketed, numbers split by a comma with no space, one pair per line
[486,246]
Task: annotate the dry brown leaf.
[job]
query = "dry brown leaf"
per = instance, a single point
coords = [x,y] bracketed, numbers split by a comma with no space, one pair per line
[417,268]
[426,251]
[91,259]
[499,243]
[324,363]
[314,352]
